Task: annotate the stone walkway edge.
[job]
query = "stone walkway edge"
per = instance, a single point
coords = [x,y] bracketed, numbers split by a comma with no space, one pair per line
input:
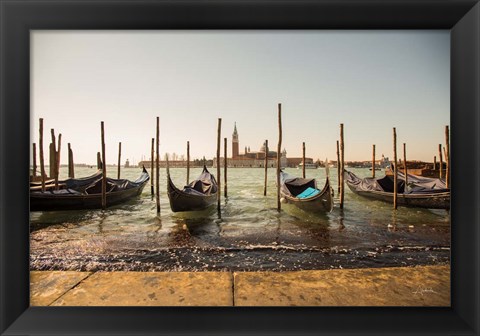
[396,286]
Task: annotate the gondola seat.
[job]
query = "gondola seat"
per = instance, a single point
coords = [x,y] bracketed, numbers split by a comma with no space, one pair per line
[309,192]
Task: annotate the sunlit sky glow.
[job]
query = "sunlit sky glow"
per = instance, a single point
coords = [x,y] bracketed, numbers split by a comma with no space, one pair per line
[371,81]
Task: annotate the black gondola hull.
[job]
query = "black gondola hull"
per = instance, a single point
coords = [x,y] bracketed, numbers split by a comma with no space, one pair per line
[181,201]
[79,202]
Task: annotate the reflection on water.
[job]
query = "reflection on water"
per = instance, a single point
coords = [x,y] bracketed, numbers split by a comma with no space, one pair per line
[249,234]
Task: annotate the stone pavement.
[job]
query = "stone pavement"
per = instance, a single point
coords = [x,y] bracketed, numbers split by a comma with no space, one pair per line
[397,286]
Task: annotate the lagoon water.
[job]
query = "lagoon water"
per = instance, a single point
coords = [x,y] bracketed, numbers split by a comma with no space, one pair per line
[249,235]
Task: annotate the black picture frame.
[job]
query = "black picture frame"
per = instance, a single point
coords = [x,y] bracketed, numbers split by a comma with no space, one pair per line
[18,17]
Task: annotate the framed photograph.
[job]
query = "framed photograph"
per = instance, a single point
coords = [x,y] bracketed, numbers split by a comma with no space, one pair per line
[116,105]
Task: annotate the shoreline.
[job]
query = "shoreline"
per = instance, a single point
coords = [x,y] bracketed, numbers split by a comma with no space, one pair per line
[392,286]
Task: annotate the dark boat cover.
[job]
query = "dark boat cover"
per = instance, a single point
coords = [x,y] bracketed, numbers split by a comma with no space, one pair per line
[416,184]
[92,185]
[204,185]
[85,193]
[293,186]
[70,183]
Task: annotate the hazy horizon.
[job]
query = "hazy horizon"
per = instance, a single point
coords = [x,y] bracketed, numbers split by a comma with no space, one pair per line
[371,81]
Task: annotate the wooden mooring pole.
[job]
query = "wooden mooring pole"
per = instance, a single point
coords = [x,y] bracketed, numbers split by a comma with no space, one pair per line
[42,163]
[53,158]
[447,156]
[373,161]
[188,162]
[395,169]
[266,168]
[342,168]
[51,166]
[57,162]
[219,133]
[34,154]
[99,160]
[104,169]
[441,160]
[279,149]
[225,166]
[151,167]
[435,162]
[157,166]
[119,159]
[338,166]
[303,159]
[405,164]
[71,166]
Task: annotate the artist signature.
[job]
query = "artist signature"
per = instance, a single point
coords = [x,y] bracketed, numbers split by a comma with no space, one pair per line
[424,290]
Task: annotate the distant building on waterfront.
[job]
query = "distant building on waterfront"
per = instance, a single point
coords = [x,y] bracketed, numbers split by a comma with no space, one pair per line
[177,163]
[248,159]
[256,159]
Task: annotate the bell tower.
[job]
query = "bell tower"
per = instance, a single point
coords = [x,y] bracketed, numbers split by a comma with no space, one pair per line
[235,142]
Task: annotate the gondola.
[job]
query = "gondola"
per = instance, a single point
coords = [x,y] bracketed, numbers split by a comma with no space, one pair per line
[86,193]
[197,195]
[421,192]
[304,194]
[70,183]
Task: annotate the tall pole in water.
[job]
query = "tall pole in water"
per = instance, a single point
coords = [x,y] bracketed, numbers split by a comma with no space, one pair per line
[104,169]
[188,162]
[34,153]
[279,149]
[219,132]
[441,160]
[303,160]
[405,164]
[342,169]
[338,166]
[71,167]
[373,161]
[225,166]
[119,159]
[447,155]
[53,158]
[152,166]
[42,163]
[395,169]
[57,161]
[157,164]
[266,168]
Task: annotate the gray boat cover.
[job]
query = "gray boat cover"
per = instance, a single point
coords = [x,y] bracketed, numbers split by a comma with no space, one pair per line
[92,185]
[416,184]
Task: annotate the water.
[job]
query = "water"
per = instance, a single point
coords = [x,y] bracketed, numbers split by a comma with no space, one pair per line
[249,235]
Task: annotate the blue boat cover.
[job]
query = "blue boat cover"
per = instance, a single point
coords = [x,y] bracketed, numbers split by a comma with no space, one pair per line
[309,192]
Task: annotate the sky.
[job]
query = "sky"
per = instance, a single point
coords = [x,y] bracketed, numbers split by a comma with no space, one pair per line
[371,81]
